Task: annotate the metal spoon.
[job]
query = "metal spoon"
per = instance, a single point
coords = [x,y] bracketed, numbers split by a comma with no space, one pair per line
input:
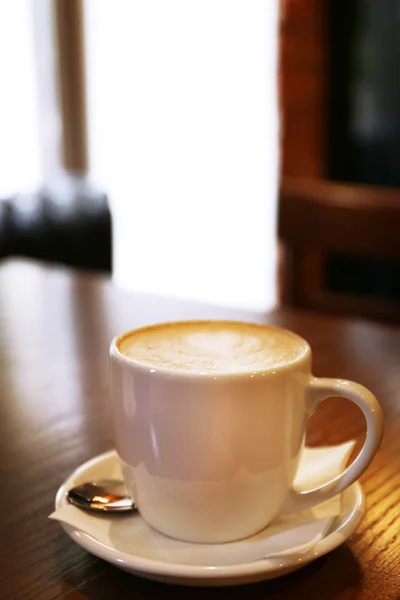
[107,496]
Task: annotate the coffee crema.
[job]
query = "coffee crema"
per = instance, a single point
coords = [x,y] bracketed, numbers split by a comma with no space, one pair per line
[212,346]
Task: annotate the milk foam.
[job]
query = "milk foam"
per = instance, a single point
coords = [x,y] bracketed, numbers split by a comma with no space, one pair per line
[212,346]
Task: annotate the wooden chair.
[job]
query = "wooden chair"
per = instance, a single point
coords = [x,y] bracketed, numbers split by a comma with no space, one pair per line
[326,227]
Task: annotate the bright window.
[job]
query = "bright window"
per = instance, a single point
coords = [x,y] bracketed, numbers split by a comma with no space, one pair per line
[20,158]
[183,134]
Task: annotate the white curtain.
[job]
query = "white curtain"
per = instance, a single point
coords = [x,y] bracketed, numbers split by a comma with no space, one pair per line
[183,134]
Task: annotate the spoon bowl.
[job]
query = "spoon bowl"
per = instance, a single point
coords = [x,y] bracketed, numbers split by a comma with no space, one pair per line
[106,496]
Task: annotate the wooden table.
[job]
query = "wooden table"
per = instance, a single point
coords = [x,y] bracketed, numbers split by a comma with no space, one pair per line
[55,329]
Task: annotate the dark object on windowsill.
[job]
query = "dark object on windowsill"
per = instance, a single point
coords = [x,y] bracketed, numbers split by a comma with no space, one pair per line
[67,221]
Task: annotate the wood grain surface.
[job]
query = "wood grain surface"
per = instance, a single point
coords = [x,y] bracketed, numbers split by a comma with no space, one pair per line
[55,329]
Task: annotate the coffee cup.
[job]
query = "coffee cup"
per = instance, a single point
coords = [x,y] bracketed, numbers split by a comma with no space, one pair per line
[210,420]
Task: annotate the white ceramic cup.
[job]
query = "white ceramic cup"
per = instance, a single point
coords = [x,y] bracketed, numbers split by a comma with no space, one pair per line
[212,458]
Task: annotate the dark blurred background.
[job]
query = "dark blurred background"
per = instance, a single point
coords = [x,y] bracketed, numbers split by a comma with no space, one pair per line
[340,196]
[339,200]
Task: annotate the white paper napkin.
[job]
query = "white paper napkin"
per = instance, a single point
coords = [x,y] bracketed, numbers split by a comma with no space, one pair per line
[293,534]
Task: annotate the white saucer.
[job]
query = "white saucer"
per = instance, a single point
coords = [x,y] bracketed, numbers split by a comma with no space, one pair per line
[153,564]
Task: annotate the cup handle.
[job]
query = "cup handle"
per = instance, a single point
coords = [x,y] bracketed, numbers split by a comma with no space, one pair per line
[319,389]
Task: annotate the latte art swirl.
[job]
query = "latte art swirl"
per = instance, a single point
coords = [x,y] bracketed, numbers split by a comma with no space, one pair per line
[212,346]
